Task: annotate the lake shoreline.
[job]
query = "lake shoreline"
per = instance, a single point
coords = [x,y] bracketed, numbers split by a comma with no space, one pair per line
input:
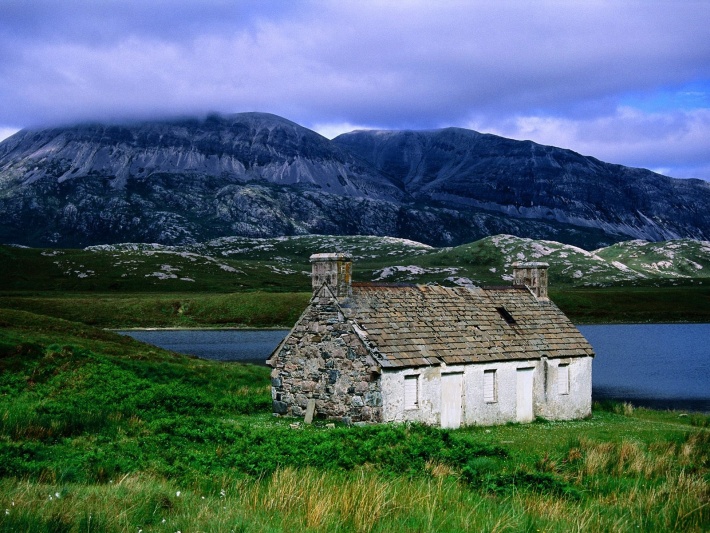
[202,328]
[288,328]
[658,365]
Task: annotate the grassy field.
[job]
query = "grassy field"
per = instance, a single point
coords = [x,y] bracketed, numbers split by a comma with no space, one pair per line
[634,304]
[101,433]
[282,309]
[180,310]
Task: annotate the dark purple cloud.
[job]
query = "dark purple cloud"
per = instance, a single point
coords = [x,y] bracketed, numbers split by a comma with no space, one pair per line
[559,71]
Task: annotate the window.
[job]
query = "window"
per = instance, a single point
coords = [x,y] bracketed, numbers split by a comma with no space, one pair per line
[411,392]
[490,390]
[563,379]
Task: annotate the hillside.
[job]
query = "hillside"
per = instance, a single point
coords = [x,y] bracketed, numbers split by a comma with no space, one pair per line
[281,264]
[241,282]
[257,175]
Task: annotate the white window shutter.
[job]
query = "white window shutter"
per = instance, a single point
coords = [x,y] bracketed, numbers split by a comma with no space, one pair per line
[411,392]
[489,386]
[563,379]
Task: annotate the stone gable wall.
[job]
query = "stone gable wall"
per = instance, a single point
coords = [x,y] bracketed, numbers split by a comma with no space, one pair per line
[323,359]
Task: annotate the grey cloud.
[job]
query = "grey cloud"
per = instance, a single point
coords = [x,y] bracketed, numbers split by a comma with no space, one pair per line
[674,142]
[414,64]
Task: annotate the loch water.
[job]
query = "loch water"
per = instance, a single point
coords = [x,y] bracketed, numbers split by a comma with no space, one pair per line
[664,366]
[240,345]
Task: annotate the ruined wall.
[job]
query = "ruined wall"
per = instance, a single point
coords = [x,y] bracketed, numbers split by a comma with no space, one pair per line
[323,359]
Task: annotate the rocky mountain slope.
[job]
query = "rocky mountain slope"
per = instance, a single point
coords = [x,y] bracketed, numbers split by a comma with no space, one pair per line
[259,175]
[522,179]
[172,182]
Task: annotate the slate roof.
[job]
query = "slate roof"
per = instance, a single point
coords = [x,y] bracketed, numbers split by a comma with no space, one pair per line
[422,325]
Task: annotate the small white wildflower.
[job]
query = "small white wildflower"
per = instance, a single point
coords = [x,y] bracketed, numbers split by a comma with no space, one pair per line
[177,494]
[163,520]
[7,511]
[222,493]
[203,497]
[56,495]
[50,497]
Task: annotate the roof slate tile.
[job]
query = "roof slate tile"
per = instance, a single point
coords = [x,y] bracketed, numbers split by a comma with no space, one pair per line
[415,325]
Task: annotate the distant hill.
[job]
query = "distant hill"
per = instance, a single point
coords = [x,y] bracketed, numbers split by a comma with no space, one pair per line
[258,175]
[234,264]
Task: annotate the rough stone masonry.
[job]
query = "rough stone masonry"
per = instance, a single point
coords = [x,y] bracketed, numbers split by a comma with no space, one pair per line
[323,358]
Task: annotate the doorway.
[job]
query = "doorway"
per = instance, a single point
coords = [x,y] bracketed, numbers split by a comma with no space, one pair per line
[451,400]
[524,394]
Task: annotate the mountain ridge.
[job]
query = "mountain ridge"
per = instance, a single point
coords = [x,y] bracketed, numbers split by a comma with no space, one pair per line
[260,175]
[544,187]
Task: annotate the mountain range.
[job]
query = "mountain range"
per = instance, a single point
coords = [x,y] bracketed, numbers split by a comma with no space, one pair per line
[253,175]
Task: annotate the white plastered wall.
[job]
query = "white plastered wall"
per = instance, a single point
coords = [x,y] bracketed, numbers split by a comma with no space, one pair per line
[575,404]
[547,402]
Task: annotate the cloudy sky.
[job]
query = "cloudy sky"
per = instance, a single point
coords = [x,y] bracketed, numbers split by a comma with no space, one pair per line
[625,81]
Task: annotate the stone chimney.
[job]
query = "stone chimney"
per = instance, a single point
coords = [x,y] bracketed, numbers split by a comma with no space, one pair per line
[533,276]
[335,270]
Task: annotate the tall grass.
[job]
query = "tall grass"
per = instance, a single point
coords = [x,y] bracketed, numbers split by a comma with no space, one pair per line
[359,501]
[663,485]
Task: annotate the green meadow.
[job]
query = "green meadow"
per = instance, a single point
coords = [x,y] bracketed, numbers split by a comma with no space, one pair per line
[99,432]
[258,309]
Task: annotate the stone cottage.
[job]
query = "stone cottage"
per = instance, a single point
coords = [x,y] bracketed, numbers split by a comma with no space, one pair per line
[446,356]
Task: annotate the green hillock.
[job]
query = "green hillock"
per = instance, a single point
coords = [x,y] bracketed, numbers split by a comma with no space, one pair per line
[241,282]
[239,264]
